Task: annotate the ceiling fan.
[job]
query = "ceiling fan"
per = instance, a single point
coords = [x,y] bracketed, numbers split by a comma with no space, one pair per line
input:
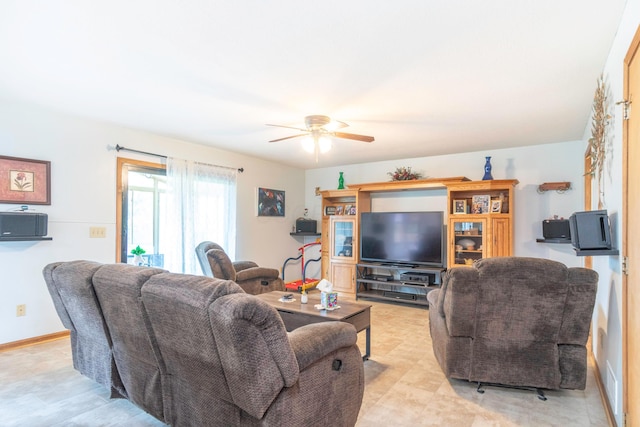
[319,129]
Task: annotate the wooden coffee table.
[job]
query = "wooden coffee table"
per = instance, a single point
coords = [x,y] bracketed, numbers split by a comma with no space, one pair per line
[295,314]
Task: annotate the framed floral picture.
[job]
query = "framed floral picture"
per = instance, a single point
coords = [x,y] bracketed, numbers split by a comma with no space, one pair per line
[25,181]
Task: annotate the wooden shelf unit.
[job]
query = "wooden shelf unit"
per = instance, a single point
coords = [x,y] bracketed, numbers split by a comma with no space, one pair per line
[338,263]
[473,236]
[341,269]
[494,231]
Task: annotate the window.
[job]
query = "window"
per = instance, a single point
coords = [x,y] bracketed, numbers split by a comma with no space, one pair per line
[201,201]
[141,210]
[169,210]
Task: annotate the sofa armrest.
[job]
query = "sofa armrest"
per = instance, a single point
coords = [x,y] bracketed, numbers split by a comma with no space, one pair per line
[313,342]
[578,309]
[457,301]
[257,273]
[254,351]
[243,265]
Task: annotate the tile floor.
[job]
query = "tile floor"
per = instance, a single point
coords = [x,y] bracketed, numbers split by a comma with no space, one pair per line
[404,387]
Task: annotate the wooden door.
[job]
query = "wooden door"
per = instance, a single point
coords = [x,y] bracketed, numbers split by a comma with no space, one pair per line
[501,234]
[631,231]
[324,249]
[343,277]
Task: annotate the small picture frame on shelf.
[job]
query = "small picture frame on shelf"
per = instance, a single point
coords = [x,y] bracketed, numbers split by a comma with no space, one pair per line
[339,210]
[480,204]
[347,210]
[460,206]
[352,210]
[330,210]
[496,206]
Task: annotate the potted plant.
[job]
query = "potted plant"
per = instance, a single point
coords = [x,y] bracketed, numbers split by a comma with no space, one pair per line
[137,255]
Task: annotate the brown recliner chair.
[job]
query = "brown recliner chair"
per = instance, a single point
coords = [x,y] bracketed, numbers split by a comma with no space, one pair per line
[253,279]
[514,321]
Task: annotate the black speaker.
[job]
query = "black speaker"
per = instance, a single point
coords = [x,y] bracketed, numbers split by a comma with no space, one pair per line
[590,230]
[304,225]
[556,229]
[23,224]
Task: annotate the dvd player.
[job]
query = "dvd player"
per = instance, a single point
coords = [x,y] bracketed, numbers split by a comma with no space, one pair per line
[380,277]
[413,276]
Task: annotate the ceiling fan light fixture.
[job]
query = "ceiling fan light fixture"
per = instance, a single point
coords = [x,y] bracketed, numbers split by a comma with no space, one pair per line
[333,126]
[325,144]
[308,144]
[319,132]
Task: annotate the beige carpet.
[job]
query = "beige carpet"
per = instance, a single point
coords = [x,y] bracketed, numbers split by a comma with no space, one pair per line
[404,387]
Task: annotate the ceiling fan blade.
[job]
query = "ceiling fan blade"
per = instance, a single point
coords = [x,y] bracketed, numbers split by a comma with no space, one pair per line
[339,124]
[288,137]
[362,138]
[288,127]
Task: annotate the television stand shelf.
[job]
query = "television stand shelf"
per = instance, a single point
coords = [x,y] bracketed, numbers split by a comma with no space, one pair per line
[397,282]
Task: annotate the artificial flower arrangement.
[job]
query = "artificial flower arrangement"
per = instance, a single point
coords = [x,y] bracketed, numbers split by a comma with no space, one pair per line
[404,174]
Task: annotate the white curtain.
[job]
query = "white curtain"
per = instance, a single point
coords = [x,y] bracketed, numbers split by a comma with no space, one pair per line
[201,205]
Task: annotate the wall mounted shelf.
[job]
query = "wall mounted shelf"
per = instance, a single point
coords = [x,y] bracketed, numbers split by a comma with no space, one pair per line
[594,252]
[553,240]
[23,239]
[559,187]
[306,233]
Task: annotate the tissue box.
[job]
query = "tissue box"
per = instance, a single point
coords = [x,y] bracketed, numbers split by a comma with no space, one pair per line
[329,299]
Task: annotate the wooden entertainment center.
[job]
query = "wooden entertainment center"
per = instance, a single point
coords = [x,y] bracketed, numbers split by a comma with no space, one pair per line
[470,236]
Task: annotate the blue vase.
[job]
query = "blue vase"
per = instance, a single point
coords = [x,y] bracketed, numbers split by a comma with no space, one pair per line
[487,169]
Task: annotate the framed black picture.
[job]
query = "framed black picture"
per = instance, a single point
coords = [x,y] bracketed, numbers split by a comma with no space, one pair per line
[270,202]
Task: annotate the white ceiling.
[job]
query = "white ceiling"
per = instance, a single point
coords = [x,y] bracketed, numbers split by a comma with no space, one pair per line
[424,77]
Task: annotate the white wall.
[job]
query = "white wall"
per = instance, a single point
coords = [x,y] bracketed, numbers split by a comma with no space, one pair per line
[83,176]
[607,317]
[531,166]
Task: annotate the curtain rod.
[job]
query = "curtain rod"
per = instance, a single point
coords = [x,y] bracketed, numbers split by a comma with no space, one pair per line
[121,148]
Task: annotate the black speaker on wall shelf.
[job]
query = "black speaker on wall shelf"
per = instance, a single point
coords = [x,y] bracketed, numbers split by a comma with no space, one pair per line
[23,224]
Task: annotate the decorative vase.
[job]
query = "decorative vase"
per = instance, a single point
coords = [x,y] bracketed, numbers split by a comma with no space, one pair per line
[487,169]
[304,298]
[341,182]
[138,260]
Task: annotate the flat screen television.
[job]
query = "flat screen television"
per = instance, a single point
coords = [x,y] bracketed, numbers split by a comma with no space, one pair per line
[414,238]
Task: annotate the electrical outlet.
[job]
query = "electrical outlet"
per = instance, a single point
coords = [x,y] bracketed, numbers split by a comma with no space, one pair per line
[21,310]
[97,232]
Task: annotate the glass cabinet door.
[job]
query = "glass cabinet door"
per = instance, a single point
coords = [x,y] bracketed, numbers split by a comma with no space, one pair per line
[468,243]
[342,238]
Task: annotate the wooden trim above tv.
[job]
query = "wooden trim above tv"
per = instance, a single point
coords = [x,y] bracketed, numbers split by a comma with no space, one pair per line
[416,184]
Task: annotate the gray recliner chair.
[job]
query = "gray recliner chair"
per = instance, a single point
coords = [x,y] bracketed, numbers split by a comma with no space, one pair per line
[514,321]
[252,278]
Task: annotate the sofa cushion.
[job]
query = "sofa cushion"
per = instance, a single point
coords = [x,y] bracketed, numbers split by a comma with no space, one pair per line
[118,289]
[71,287]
